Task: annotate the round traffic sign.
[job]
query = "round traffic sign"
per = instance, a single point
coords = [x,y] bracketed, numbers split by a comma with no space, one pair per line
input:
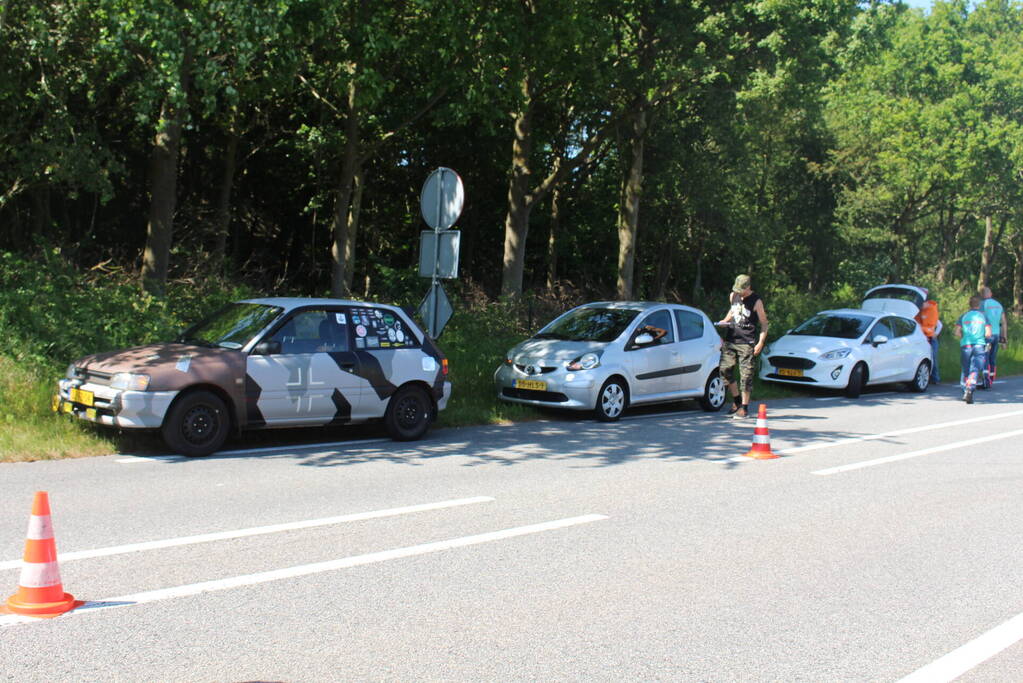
[442,198]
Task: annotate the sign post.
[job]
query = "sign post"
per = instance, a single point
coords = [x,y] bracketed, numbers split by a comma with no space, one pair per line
[440,203]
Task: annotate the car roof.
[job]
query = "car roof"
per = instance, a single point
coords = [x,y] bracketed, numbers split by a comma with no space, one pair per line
[854,311]
[289,303]
[635,305]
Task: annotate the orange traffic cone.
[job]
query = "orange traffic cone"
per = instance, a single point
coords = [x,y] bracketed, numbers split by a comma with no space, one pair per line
[761,448]
[40,592]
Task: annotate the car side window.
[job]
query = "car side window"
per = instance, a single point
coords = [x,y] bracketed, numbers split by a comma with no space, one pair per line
[658,325]
[902,327]
[690,325]
[381,328]
[881,328]
[313,331]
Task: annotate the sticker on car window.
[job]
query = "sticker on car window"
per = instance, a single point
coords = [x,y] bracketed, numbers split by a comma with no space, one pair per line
[360,343]
[360,331]
[373,342]
[340,318]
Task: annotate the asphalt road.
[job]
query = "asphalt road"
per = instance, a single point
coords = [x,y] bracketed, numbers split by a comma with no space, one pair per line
[885,539]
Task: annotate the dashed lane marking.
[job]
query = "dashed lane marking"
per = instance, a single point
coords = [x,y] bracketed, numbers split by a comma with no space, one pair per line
[317,568]
[255,531]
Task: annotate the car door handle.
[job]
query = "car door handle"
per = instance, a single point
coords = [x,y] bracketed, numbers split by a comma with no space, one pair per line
[347,367]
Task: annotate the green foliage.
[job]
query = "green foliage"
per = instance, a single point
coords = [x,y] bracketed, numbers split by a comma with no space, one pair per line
[51,313]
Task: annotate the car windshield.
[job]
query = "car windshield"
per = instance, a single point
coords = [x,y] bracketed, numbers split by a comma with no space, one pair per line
[231,327]
[589,324]
[900,293]
[845,326]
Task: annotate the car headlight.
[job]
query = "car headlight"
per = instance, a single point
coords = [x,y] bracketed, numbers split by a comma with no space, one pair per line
[130,381]
[587,361]
[836,354]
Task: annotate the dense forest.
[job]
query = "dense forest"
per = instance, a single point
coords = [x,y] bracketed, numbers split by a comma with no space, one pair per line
[626,149]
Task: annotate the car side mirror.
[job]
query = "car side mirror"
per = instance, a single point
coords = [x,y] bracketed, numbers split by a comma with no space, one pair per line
[267,348]
[644,339]
[878,340]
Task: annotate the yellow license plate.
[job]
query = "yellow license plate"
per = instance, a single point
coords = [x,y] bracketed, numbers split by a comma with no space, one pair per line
[790,372]
[66,407]
[81,396]
[534,384]
[90,413]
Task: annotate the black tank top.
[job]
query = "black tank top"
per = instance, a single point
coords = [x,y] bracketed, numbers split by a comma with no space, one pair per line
[745,320]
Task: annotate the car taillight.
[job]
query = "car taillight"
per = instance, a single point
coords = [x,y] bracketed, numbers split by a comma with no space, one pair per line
[444,366]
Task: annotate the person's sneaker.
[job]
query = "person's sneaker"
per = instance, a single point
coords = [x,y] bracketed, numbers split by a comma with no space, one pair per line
[968,396]
[740,414]
[734,409]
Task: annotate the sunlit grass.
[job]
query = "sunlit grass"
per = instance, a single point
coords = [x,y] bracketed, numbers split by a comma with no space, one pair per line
[29,430]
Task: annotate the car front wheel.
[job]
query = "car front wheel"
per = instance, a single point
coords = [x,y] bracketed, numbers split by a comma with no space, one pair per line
[714,393]
[197,424]
[857,378]
[922,378]
[611,400]
[408,414]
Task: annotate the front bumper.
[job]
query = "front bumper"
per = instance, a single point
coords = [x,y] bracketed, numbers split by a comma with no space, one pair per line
[112,407]
[561,388]
[826,374]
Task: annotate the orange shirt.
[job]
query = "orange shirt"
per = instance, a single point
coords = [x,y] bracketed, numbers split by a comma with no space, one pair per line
[928,317]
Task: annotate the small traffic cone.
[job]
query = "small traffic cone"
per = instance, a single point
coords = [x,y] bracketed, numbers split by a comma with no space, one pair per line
[40,592]
[761,448]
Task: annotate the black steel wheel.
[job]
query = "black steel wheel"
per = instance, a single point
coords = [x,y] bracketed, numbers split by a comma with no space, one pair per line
[408,414]
[197,424]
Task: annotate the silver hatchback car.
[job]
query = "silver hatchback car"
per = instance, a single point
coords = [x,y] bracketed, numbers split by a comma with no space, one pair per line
[608,355]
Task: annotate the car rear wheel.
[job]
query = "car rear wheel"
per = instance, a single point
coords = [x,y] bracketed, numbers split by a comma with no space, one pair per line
[408,414]
[611,401]
[197,424]
[714,393]
[922,378]
[857,378]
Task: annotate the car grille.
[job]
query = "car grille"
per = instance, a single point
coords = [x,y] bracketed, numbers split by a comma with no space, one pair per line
[540,369]
[92,377]
[534,395]
[806,380]
[791,362]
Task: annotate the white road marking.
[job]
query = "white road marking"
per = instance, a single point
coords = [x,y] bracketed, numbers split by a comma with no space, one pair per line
[255,531]
[249,451]
[317,568]
[898,432]
[959,661]
[916,454]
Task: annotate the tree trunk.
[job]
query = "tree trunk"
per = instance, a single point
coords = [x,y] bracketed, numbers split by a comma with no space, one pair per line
[339,275]
[222,220]
[628,215]
[552,240]
[520,202]
[353,227]
[987,253]
[164,188]
[1017,280]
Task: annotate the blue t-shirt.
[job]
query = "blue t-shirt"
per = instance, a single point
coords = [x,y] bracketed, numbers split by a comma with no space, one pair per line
[973,323]
[993,312]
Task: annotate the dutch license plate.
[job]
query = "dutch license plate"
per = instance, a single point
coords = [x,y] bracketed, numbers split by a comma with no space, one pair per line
[534,384]
[81,396]
[90,413]
[790,372]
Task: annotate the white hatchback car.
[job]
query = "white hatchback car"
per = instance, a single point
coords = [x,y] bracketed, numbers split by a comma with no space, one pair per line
[850,348]
[606,356]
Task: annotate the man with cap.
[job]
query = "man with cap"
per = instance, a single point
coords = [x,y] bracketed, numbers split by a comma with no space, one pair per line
[743,342]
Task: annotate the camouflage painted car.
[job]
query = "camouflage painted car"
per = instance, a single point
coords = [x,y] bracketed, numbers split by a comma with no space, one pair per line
[277,362]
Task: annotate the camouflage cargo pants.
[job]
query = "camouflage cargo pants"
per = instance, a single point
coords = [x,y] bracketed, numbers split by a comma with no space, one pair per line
[741,356]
